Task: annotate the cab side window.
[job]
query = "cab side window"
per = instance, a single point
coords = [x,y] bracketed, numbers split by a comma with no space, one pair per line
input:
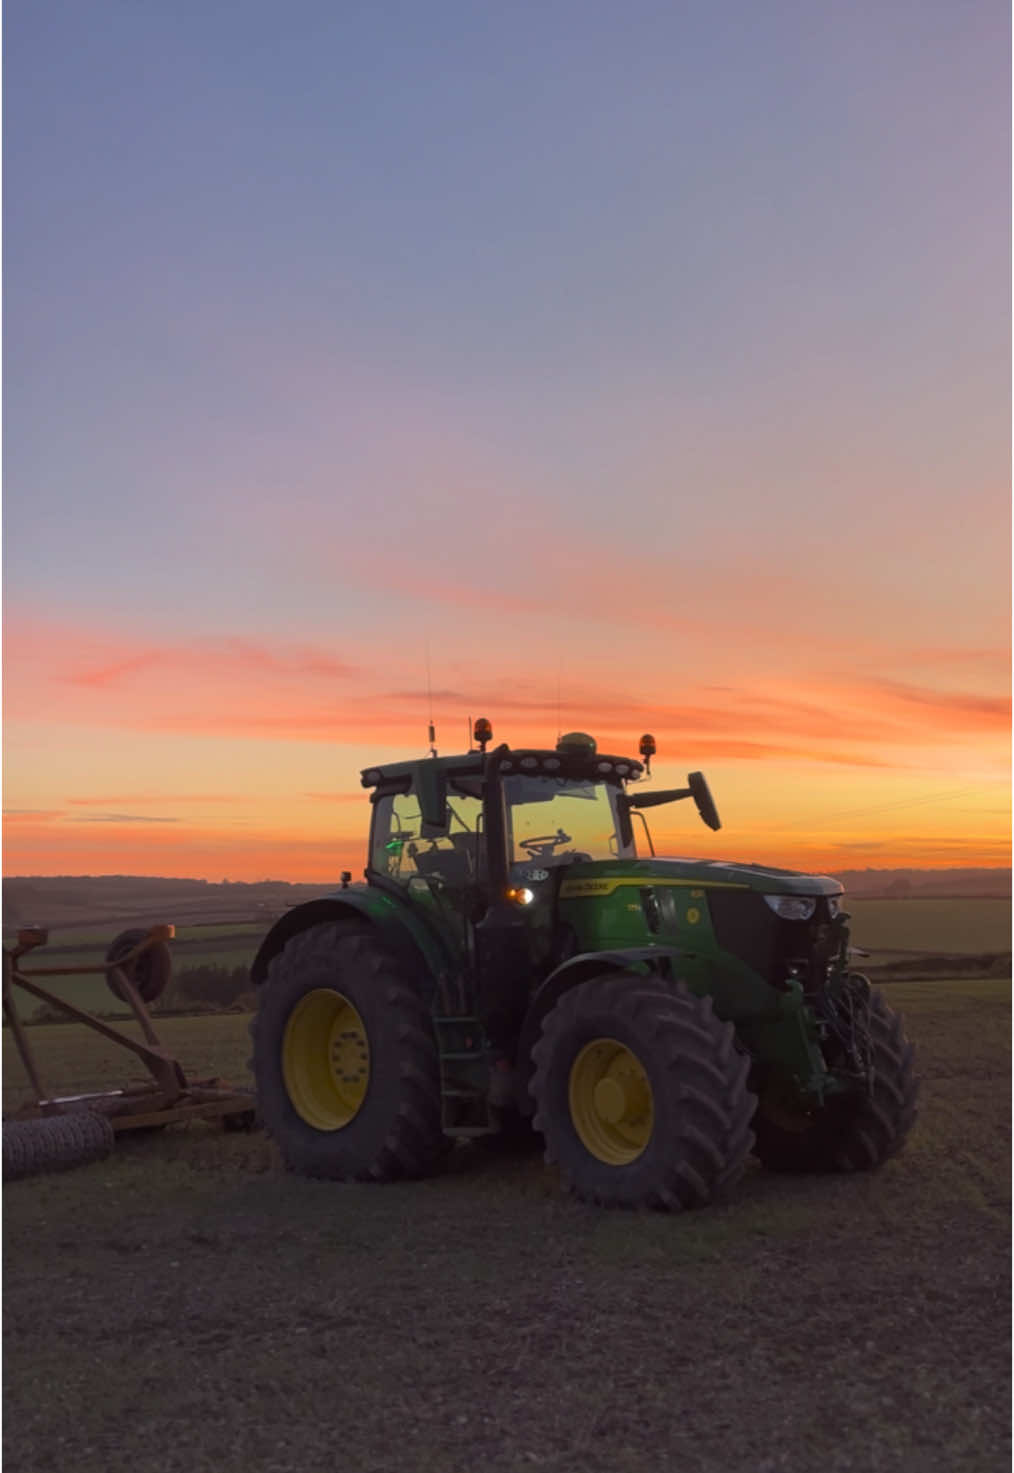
[402,854]
[396,828]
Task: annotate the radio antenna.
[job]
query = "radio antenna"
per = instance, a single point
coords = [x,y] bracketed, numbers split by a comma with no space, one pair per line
[559,670]
[432,731]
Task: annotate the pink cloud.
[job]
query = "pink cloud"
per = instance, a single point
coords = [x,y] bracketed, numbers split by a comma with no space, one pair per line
[299,691]
[964,708]
[213,657]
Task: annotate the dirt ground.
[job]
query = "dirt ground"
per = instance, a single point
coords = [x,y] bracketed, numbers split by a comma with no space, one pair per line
[186,1305]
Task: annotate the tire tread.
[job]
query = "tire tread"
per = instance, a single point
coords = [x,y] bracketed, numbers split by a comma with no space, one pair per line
[413,1138]
[709,1124]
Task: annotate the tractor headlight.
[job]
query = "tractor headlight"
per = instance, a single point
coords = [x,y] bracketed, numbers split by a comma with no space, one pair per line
[792,907]
[834,905]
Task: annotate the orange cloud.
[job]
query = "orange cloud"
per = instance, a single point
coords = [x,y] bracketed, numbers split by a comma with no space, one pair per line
[131,799]
[120,818]
[15,818]
[335,797]
[191,853]
[242,689]
[232,711]
[106,675]
[570,577]
[994,656]
[964,708]
[208,853]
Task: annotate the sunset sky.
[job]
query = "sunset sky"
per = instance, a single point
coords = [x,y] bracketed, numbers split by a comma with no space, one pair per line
[648,363]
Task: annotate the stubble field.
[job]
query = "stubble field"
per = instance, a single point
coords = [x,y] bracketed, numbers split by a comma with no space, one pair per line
[186,1305]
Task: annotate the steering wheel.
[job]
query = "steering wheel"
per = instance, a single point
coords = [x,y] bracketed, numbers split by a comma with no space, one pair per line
[541,846]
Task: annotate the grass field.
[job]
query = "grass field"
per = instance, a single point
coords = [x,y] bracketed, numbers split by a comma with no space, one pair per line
[964,925]
[98,937]
[949,926]
[187,1306]
[941,926]
[72,1060]
[227,946]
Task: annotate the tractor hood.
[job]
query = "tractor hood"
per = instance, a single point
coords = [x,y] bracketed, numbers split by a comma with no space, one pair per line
[700,873]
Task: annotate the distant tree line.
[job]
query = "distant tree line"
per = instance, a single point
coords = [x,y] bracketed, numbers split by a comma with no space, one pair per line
[212,988]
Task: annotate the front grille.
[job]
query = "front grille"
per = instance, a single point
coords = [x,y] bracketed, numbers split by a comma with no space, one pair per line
[746,926]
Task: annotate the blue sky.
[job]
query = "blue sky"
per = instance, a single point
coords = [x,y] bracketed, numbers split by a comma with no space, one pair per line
[345,321]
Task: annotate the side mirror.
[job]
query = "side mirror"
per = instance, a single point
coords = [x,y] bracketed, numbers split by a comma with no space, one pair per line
[698,790]
[701,794]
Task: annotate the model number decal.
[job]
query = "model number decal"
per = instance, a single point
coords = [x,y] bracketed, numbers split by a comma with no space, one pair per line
[588,887]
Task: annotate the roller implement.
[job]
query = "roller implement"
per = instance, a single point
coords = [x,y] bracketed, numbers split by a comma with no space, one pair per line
[519,956]
[57,1131]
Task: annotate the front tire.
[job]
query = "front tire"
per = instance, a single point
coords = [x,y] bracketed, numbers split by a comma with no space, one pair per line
[641,1095]
[345,1061]
[852,1132]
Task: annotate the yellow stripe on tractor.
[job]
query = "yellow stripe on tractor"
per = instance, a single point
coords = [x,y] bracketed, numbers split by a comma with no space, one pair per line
[571,889]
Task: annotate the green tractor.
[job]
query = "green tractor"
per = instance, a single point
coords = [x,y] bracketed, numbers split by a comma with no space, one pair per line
[513,961]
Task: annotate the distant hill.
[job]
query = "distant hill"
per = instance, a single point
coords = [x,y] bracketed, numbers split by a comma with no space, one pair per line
[81,900]
[915,884]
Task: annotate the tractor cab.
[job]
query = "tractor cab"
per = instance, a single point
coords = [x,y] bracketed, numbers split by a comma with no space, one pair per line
[479,831]
[483,845]
[553,814]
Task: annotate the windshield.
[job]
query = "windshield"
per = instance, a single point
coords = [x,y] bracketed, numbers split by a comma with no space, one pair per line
[560,820]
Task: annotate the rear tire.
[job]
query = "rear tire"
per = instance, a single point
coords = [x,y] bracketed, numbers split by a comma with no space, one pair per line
[854,1132]
[641,1095]
[345,1060]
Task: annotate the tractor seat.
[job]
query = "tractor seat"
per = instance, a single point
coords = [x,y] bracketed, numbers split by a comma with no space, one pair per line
[452,865]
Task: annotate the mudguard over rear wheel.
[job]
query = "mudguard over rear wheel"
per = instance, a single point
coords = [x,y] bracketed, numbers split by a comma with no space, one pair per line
[641,1095]
[345,1061]
[856,1132]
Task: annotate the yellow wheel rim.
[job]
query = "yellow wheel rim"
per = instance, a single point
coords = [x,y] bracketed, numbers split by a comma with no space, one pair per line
[611,1103]
[325,1059]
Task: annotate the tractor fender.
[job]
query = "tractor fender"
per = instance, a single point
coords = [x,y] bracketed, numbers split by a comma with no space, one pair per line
[640,961]
[391,917]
